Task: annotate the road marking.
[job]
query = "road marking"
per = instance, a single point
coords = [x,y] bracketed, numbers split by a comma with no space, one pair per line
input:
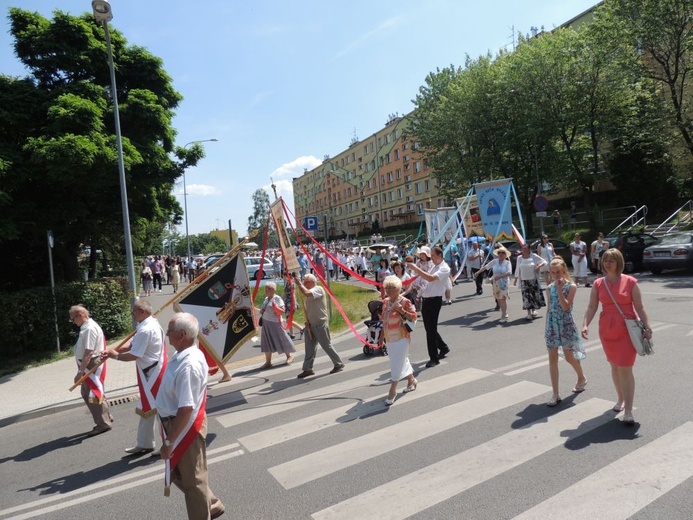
[237,417]
[545,361]
[139,477]
[354,451]
[296,429]
[417,491]
[628,484]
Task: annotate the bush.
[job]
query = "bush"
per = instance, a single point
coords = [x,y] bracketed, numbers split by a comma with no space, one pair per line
[32,326]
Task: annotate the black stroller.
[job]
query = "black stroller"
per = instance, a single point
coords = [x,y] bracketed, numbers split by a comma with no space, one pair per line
[375,329]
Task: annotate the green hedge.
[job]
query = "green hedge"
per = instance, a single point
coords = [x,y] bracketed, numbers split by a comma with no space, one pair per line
[29,321]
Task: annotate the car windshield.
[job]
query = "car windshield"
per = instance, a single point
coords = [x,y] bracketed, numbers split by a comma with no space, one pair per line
[680,238]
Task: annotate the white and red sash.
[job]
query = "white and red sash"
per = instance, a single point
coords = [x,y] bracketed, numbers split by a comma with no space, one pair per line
[149,386]
[185,439]
[95,382]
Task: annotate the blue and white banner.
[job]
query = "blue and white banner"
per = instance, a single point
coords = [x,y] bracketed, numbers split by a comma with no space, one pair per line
[495,209]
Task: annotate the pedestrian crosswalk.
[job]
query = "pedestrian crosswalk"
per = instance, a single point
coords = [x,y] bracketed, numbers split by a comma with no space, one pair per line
[617,489]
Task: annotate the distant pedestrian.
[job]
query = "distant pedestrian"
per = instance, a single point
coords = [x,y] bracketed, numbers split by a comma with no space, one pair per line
[502,270]
[561,332]
[274,337]
[90,344]
[527,269]
[579,250]
[597,249]
[475,259]
[557,221]
[573,215]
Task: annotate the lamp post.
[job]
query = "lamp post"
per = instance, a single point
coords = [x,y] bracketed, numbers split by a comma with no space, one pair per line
[103,14]
[185,193]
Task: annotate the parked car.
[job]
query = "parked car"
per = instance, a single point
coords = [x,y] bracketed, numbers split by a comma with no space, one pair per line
[211,260]
[632,245]
[252,263]
[674,251]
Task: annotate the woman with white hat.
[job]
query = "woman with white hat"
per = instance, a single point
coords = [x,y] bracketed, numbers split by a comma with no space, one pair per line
[502,270]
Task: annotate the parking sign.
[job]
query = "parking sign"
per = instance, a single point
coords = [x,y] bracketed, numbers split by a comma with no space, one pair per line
[310,223]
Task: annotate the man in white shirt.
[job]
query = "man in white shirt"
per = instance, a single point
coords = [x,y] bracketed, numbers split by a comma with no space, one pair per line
[475,259]
[436,277]
[148,350]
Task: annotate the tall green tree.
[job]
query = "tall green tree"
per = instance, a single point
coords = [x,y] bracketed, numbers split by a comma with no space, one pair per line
[58,160]
[259,220]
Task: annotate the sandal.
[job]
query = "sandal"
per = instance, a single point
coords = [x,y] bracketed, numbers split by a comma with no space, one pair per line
[266,365]
[618,407]
[628,419]
[580,387]
[554,401]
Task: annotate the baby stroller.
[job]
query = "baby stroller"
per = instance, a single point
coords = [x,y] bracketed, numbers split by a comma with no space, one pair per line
[375,329]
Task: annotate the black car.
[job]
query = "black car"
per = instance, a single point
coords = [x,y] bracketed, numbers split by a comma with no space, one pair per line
[632,245]
[674,251]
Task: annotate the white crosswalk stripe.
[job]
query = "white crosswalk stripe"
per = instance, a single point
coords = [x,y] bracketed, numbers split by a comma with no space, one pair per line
[426,487]
[331,418]
[320,463]
[632,482]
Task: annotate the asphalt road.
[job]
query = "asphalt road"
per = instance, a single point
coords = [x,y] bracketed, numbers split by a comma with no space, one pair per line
[474,441]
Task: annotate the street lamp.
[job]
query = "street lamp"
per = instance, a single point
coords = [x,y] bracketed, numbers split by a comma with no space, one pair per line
[103,14]
[185,193]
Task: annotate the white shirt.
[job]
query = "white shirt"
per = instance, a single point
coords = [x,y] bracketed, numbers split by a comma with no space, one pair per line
[524,267]
[90,338]
[184,381]
[437,287]
[148,343]
[474,258]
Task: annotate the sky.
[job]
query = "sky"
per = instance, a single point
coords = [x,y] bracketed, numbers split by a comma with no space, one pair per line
[283,83]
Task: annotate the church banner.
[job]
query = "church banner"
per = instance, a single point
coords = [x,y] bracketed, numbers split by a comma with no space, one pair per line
[495,209]
[288,253]
[223,308]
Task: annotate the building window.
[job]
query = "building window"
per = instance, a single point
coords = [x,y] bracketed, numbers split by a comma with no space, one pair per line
[389,176]
[406,167]
[417,166]
[392,196]
[408,187]
[399,193]
[396,155]
[398,173]
[427,185]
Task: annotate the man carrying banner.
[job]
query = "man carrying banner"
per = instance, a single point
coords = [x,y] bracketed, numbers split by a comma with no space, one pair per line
[148,350]
[181,405]
[317,327]
[90,344]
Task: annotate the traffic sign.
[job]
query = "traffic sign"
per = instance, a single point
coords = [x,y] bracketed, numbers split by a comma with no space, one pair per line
[310,223]
[541,203]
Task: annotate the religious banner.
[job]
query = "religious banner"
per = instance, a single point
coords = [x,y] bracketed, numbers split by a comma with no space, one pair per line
[436,220]
[288,253]
[495,209]
[472,218]
[223,308]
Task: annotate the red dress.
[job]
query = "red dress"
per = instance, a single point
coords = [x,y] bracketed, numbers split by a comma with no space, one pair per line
[612,329]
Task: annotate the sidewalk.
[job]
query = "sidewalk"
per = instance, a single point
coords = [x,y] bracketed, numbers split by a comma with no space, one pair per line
[43,390]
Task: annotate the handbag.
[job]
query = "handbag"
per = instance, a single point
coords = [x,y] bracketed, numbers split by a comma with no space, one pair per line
[410,325]
[636,330]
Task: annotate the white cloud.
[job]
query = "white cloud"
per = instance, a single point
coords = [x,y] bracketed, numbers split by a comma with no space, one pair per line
[360,41]
[284,175]
[203,190]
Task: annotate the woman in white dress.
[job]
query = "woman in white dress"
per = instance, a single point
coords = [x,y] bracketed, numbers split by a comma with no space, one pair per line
[396,309]
[545,251]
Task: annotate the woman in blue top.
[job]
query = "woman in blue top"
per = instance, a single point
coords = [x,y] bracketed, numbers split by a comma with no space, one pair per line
[561,332]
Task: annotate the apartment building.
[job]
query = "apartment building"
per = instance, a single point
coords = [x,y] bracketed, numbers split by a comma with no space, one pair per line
[379,183]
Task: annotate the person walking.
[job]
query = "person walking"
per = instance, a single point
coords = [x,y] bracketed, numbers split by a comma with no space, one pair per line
[527,269]
[561,332]
[317,326]
[148,350]
[181,403]
[274,338]
[579,250]
[436,277]
[597,250]
[90,343]
[146,278]
[545,251]
[175,275]
[612,290]
[475,259]
[502,270]
[397,308]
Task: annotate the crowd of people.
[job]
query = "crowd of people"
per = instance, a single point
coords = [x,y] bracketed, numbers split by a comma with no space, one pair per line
[174,389]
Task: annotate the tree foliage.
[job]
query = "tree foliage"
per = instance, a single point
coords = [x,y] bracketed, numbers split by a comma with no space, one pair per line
[560,111]
[58,159]
[259,220]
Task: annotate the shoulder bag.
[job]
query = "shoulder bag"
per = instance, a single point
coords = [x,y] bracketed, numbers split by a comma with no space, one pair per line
[409,325]
[636,329]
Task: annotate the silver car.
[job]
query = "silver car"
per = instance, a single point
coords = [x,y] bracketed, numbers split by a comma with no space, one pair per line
[252,263]
[675,251]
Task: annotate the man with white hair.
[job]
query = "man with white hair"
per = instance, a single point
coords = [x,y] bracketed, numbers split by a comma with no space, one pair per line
[181,403]
[317,326]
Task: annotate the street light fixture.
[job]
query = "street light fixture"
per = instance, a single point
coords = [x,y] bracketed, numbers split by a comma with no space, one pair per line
[185,192]
[103,14]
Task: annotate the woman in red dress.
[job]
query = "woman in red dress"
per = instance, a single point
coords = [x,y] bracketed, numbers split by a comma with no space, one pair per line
[613,333]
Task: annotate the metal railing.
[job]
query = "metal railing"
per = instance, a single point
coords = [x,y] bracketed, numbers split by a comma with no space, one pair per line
[642,210]
[688,206]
